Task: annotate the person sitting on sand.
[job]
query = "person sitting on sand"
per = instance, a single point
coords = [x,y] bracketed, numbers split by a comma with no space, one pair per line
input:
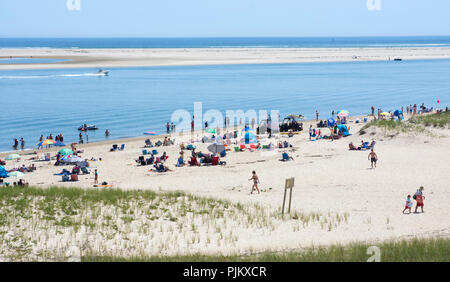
[193,161]
[419,197]
[255,182]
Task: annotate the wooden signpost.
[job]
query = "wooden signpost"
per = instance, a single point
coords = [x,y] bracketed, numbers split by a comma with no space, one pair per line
[289,184]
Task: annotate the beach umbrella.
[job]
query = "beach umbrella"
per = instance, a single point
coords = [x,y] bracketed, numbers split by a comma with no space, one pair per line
[16,174]
[211,130]
[47,142]
[13,157]
[342,113]
[150,133]
[65,152]
[73,159]
[59,144]
[216,148]
[331,122]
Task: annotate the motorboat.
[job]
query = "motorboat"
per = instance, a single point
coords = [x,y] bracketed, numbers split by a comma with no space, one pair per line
[86,127]
[102,72]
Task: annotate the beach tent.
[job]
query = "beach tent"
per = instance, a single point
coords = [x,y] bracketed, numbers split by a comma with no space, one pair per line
[12,157]
[398,114]
[216,148]
[343,128]
[331,122]
[16,174]
[3,172]
[65,152]
[249,138]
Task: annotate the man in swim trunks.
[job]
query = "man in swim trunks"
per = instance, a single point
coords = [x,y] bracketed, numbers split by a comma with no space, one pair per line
[373,158]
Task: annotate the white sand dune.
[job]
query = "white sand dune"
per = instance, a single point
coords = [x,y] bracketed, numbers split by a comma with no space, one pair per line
[328,179]
[93,58]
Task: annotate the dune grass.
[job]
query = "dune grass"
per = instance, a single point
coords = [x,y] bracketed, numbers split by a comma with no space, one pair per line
[415,250]
[416,124]
[43,224]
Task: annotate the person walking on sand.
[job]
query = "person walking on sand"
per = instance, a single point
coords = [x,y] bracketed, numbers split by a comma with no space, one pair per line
[255,182]
[408,204]
[419,197]
[317,115]
[96,177]
[373,159]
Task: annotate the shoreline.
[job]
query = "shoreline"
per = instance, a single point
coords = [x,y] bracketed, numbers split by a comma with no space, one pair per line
[148,57]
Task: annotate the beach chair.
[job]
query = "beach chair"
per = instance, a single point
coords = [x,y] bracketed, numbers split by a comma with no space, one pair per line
[155,152]
[47,157]
[65,178]
[236,149]
[215,160]
[286,157]
[122,147]
[84,170]
[242,147]
[144,152]
[74,177]
[148,143]
[252,147]
[114,148]
[223,154]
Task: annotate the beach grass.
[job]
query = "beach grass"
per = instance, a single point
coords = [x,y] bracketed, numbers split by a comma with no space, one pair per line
[412,250]
[42,224]
[420,124]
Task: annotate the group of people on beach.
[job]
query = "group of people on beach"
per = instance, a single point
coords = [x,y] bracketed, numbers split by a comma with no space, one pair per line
[16,144]
[418,197]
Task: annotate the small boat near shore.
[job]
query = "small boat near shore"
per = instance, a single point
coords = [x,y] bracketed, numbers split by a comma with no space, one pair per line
[86,127]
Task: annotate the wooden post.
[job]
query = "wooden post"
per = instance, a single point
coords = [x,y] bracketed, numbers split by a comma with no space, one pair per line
[289,184]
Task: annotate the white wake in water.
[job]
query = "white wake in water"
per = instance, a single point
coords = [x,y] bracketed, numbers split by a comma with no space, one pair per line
[50,76]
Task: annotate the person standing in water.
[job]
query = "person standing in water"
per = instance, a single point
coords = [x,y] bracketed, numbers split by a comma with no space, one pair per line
[373,158]
[255,182]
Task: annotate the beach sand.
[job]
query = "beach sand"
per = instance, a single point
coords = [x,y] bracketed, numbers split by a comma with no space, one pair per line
[328,179]
[93,58]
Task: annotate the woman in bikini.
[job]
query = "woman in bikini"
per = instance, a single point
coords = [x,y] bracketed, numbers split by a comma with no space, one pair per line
[255,182]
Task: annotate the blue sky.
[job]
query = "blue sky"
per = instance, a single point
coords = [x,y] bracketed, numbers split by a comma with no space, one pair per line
[220,18]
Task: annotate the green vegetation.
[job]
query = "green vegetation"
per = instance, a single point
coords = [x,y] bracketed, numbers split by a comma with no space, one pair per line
[416,124]
[416,250]
[42,224]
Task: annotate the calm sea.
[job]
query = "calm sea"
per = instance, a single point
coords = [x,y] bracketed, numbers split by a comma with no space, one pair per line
[131,101]
[280,42]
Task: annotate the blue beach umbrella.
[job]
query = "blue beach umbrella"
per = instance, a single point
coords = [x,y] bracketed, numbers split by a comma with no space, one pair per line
[59,144]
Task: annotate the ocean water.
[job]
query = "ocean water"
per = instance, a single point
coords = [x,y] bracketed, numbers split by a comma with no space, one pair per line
[131,101]
[262,42]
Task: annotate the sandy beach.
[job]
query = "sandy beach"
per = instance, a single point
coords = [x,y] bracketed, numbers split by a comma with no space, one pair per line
[93,58]
[329,179]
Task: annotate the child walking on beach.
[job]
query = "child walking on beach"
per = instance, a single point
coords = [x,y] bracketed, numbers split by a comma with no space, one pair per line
[255,182]
[408,204]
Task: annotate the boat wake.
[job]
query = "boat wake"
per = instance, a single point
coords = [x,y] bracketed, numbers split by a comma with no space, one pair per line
[52,76]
